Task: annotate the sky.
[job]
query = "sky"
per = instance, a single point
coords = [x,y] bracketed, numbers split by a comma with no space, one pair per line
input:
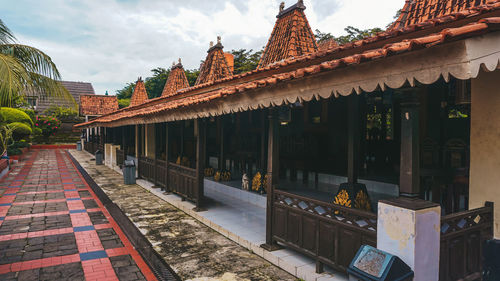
[112,42]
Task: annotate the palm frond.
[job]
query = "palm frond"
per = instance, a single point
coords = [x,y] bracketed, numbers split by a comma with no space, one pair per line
[32,59]
[48,87]
[13,79]
[6,35]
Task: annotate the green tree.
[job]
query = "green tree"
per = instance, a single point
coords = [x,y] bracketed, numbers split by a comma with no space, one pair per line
[154,84]
[123,103]
[126,92]
[26,69]
[192,75]
[353,34]
[245,61]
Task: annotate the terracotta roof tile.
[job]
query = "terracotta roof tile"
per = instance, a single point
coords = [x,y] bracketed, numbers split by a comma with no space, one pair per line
[327,44]
[322,61]
[291,36]
[176,80]
[97,104]
[420,11]
[139,95]
[215,66]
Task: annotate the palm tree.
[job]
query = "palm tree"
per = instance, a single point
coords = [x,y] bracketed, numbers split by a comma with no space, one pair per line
[24,69]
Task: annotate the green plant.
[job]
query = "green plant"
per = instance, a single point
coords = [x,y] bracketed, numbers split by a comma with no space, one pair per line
[11,151]
[48,124]
[62,113]
[20,130]
[5,138]
[20,144]
[30,112]
[11,115]
[23,67]
[123,103]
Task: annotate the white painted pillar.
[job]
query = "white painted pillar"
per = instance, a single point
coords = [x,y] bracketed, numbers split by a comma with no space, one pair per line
[410,229]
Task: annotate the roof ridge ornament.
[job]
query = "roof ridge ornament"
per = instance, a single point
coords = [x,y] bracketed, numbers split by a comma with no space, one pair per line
[282,6]
[218,39]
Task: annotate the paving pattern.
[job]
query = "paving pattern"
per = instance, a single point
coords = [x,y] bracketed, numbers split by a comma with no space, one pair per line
[193,250]
[53,227]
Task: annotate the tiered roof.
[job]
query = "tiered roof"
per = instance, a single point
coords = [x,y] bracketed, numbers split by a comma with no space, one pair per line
[139,95]
[215,66]
[291,37]
[393,42]
[176,80]
[97,104]
[419,11]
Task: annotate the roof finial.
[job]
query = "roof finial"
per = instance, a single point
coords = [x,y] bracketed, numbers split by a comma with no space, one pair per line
[106,92]
[218,39]
[173,63]
[180,62]
[211,44]
[300,2]
[282,6]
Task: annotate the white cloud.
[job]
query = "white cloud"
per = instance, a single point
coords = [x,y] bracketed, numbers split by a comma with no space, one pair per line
[110,43]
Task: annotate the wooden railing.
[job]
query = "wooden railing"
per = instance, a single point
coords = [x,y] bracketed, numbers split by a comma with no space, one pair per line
[120,157]
[462,238]
[161,173]
[147,168]
[182,180]
[331,234]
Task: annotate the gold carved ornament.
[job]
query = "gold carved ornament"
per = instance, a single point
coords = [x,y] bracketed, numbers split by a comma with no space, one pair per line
[217,176]
[256,181]
[209,172]
[362,201]
[342,199]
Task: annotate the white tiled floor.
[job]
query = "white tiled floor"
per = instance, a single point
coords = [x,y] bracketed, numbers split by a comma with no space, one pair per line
[245,224]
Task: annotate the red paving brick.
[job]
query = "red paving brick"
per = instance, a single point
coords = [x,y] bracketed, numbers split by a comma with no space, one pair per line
[36,173]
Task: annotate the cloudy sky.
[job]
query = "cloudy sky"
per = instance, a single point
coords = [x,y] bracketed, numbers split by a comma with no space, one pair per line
[112,42]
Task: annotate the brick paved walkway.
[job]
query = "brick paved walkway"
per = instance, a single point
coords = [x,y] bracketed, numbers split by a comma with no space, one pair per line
[53,227]
[194,251]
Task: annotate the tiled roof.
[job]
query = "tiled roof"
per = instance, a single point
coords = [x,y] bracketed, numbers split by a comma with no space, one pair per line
[215,66]
[78,88]
[176,80]
[424,35]
[139,95]
[327,44]
[418,11]
[97,104]
[291,37]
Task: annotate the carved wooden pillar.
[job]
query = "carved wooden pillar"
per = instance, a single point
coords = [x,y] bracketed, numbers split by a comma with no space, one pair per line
[353,143]
[273,176]
[200,132]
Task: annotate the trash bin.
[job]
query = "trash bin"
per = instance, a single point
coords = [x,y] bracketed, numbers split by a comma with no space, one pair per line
[79,145]
[129,172]
[372,264]
[98,157]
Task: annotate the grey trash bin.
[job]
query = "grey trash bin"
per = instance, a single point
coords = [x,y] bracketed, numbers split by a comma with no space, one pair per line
[129,172]
[79,145]
[98,157]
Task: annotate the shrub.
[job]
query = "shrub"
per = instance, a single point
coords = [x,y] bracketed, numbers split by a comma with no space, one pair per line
[11,115]
[20,128]
[20,144]
[48,124]
[62,113]
[11,151]
[30,112]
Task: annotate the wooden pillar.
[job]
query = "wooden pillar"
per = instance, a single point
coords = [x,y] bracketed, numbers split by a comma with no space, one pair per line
[183,124]
[166,157]
[222,163]
[263,143]
[353,139]
[200,132]
[409,179]
[273,176]
[155,155]
[137,145]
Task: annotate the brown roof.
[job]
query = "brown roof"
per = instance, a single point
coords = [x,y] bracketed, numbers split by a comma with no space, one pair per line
[78,88]
[97,104]
[418,11]
[176,80]
[473,22]
[139,95]
[215,66]
[291,37]
[327,44]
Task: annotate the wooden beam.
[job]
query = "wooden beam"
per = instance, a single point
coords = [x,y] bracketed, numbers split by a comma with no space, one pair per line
[353,139]
[200,161]
[409,178]
[273,176]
